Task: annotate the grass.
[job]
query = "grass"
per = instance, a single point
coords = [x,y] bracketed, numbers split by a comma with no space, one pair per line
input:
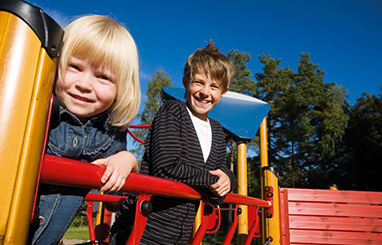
[77,233]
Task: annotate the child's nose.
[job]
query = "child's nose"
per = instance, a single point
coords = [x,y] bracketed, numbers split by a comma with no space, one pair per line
[205,90]
[84,83]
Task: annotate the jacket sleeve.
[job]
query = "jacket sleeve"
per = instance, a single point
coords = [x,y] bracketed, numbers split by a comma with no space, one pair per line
[222,165]
[164,150]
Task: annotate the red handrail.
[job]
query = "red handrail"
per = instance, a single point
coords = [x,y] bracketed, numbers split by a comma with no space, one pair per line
[140,126]
[137,126]
[104,198]
[64,171]
[135,137]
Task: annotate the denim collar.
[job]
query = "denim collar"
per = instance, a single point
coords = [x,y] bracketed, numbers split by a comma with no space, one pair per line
[98,120]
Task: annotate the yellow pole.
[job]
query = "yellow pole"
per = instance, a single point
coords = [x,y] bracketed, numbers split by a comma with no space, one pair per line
[99,216]
[270,225]
[263,163]
[263,143]
[242,189]
[198,219]
[26,80]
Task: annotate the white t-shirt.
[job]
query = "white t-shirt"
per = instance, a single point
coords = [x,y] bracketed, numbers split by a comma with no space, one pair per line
[203,130]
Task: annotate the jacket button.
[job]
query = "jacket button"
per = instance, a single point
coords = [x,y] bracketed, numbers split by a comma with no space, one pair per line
[75,141]
[41,220]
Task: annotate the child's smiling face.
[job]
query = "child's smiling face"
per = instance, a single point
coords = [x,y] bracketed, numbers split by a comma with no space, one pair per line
[86,90]
[202,94]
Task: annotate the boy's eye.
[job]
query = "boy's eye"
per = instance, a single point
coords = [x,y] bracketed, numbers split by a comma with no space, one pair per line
[197,82]
[215,86]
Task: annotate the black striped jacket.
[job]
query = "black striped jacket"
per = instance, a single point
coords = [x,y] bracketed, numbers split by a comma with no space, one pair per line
[172,151]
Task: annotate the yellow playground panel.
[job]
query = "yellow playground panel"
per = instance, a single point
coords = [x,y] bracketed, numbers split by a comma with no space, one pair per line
[29,43]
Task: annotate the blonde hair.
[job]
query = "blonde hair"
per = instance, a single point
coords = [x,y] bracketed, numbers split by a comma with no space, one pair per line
[106,43]
[211,62]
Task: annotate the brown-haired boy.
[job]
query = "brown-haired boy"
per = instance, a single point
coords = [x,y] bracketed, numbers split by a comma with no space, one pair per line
[185,145]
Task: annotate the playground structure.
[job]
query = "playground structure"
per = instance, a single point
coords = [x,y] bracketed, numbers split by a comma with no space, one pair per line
[29,46]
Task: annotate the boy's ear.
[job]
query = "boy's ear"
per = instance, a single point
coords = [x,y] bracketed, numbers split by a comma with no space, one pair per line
[225,92]
[185,83]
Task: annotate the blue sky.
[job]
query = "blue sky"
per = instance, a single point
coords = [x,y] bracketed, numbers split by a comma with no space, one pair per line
[344,37]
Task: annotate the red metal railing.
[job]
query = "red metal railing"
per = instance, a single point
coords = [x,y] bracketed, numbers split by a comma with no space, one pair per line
[63,171]
[137,126]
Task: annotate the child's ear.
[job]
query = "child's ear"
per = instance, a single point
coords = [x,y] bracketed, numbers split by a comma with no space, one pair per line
[185,83]
[225,92]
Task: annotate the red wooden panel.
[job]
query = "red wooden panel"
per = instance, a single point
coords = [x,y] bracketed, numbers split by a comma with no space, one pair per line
[334,237]
[284,216]
[330,217]
[335,224]
[317,195]
[333,209]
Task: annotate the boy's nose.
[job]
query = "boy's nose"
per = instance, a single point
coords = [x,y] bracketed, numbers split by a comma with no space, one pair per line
[205,90]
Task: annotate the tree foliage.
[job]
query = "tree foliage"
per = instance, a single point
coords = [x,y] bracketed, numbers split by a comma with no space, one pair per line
[154,101]
[363,145]
[241,81]
[306,122]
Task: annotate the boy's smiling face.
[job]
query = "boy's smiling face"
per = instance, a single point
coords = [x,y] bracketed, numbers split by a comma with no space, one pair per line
[86,90]
[202,94]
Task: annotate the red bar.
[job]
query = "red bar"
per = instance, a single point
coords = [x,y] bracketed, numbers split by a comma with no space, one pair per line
[89,216]
[140,126]
[139,223]
[104,198]
[232,229]
[245,200]
[64,171]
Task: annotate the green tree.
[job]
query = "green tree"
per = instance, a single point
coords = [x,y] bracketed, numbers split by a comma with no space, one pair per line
[322,121]
[154,101]
[241,81]
[363,145]
[273,86]
[306,122]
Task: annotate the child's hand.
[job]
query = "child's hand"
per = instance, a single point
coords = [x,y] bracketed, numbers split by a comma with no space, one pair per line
[118,167]
[222,186]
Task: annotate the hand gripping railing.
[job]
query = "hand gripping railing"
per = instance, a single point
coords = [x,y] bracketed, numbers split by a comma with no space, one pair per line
[63,171]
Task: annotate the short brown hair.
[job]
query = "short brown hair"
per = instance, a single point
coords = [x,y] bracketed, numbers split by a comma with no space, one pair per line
[212,62]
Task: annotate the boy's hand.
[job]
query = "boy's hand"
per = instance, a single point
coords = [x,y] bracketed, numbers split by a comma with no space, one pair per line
[222,186]
[118,167]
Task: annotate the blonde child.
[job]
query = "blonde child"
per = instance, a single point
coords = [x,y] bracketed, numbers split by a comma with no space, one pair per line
[98,90]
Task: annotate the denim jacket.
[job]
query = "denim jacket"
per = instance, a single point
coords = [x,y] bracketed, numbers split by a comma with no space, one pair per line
[70,138]
[85,142]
